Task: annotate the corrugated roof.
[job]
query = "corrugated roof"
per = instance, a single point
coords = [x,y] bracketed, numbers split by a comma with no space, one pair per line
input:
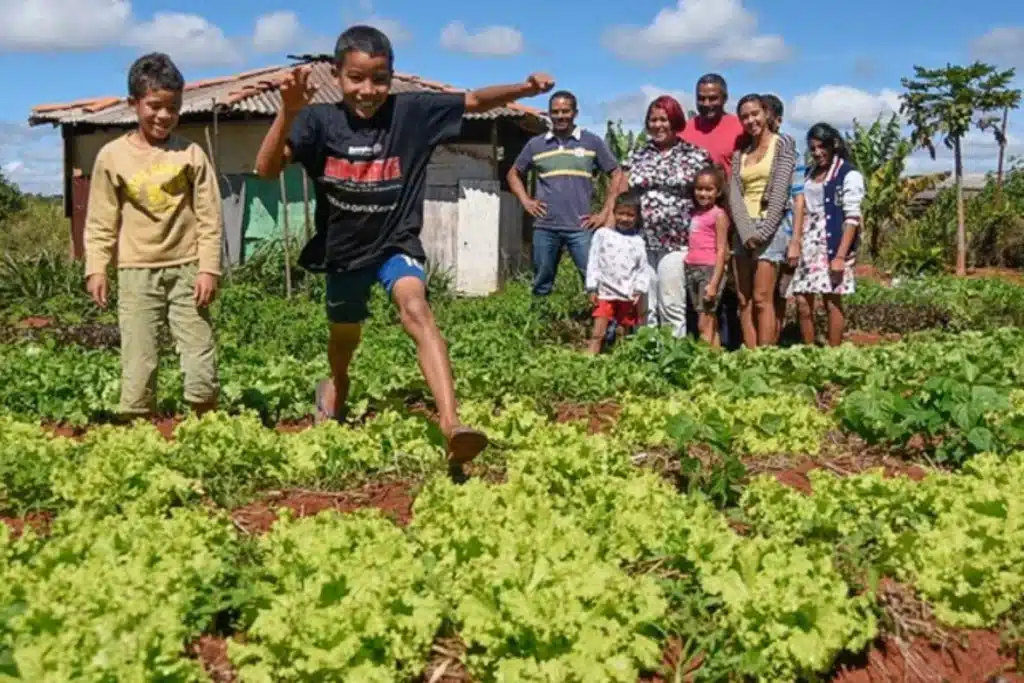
[255,93]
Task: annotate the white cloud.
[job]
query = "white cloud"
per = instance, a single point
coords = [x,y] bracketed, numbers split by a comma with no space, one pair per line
[53,25]
[723,30]
[392,28]
[979,150]
[44,25]
[368,16]
[32,158]
[189,39]
[750,50]
[1004,46]
[631,107]
[840,105]
[276,32]
[490,41]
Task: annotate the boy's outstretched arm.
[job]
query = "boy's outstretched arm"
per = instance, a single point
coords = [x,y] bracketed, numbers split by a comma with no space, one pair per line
[296,92]
[493,96]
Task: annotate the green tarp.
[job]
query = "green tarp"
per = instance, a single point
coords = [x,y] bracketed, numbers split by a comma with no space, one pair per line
[263,218]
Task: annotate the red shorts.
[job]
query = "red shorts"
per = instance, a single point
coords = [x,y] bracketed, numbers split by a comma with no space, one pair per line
[625,313]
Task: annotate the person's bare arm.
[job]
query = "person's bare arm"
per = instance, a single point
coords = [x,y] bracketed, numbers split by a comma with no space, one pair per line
[796,241]
[618,179]
[485,99]
[274,154]
[722,254]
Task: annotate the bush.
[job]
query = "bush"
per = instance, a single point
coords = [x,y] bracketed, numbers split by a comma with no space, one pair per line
[995,230]
[11,199]
[30,226]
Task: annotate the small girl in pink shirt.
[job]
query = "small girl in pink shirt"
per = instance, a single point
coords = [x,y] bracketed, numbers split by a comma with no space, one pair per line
[709,250]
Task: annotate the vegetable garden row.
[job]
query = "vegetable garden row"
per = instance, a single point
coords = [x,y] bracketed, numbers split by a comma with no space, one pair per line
[659,513]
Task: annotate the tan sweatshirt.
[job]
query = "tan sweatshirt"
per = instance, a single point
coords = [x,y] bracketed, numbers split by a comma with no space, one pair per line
[161,205]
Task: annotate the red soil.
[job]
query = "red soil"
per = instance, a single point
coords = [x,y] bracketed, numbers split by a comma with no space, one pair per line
[795,474]
[37,521]
[394,499]
[212,652]
[598,416]
[977,659]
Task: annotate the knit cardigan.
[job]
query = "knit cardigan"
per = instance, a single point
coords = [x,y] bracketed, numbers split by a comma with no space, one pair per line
[776,194]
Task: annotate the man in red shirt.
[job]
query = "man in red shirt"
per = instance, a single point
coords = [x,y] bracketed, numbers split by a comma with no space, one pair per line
[714,130]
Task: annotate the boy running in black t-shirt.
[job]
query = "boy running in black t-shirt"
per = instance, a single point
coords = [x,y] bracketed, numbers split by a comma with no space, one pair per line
[368,157]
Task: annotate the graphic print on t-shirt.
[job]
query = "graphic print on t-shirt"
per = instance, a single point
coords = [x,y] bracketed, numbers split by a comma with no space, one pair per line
[361,180]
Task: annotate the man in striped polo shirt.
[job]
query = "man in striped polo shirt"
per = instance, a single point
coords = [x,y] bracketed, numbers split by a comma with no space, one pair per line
[565,160]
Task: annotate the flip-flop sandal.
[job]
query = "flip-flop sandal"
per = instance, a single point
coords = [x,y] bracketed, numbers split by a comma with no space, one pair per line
[322,415]
[464,444]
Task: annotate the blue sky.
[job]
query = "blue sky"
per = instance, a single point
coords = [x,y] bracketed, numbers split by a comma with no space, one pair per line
[833,64]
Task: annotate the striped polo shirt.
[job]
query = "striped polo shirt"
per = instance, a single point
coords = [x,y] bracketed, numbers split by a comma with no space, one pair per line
[565,175]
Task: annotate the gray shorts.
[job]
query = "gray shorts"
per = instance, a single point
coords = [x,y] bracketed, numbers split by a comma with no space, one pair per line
[774,251]
[697,280]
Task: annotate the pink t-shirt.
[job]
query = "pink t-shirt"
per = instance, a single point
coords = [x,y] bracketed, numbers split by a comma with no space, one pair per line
[719,140]
[704,237]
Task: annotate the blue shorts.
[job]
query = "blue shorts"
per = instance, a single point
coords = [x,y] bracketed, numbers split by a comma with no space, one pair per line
[773,252]
[348,293]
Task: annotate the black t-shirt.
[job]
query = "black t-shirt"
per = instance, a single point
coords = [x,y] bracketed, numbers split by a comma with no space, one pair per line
[370,175]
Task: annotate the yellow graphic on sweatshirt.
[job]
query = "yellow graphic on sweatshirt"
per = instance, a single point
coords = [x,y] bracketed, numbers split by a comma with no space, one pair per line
[159,187]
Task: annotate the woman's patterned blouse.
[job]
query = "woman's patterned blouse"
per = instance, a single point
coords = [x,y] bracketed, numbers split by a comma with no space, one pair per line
[665,180]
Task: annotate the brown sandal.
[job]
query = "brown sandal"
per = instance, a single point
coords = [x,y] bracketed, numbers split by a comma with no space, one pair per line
[464,444]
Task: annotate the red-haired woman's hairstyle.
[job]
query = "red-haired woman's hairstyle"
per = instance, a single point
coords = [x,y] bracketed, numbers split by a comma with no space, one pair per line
[673,111]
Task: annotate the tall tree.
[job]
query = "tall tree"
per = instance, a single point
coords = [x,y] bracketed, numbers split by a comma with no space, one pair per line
[944,103]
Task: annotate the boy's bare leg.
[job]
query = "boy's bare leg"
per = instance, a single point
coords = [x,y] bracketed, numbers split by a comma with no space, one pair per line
[342,345]
[598,335]
[410,295]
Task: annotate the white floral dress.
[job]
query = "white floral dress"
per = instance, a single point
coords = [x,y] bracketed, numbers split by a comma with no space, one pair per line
[813,274]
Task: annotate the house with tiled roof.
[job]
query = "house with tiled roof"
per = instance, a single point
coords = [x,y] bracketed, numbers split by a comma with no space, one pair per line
[470,215]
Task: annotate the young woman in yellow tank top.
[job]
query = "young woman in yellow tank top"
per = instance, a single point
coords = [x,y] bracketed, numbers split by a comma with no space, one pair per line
[758,196]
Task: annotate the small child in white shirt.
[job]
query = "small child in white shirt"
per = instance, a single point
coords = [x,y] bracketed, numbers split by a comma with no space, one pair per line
[617,273]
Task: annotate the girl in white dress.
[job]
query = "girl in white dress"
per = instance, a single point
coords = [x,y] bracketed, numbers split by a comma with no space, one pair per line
[826,233]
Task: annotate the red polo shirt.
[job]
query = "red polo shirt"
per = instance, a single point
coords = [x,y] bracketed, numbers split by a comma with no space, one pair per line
[720,140]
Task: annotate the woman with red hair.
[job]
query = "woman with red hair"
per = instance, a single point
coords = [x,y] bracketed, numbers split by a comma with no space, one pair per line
[663,170]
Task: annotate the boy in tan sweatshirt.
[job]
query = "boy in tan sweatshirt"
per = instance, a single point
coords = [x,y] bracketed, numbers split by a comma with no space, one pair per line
[156,196]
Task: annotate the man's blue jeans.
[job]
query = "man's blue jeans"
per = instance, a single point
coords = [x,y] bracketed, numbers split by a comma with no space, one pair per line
[547,251]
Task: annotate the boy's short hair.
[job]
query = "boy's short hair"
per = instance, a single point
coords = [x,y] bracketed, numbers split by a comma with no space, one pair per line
[154,71]
[773,103]
[366,39]
[630,197]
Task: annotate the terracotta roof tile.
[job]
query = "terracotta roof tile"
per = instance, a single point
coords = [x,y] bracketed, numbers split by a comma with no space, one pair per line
[250,92]
[100,105]
[257,72]
[194,85]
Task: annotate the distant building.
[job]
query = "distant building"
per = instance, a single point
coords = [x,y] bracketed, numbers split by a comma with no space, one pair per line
[973,184]
[473,227]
